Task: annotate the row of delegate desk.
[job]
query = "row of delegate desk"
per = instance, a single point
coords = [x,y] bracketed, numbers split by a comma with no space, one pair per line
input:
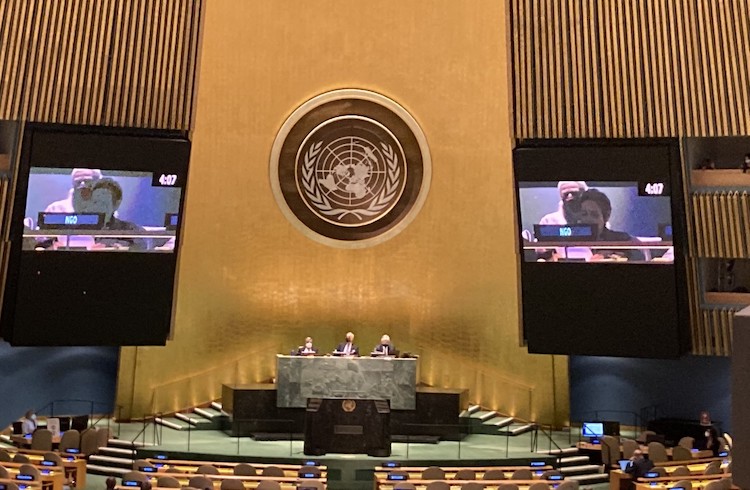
[619,480]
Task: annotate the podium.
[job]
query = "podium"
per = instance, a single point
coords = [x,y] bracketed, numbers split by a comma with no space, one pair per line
[347,426]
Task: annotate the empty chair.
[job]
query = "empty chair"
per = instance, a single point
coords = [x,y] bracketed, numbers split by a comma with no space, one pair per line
[522,474]
[244,469]
[643,436]
[11,486]
[438,485]
[539,486]
[202,482]
[268,485]
[657,452]
[5,457]
[465,474]
[21,458]
[612,444]
[53,456]
[41,440]
[550,473]
[71,439]
[404,485]
[659,470]
[726,483]
[713,468]
[103,435]
[568,485]
[723,446]
[272,471]
[4,471]
[686,484]
[135,476]
[472,485]
[207,469]
[714,485]
[169,482]
[681,471]
[176,469]
[433,473]
[680,453]
[728,438]
[309,472]
[310,485]
[687,442]
[508,486]
[139,464]
[232,485]
[30,469]
[628,448]
[89,441]
[494,475]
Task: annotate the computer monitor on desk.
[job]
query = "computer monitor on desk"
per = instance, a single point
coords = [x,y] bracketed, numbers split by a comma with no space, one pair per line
[592,430]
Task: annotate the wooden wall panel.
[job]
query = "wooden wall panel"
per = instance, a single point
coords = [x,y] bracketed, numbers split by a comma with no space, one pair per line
[630,68]
[125,63]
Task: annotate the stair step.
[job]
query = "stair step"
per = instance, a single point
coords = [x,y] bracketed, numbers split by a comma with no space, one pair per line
[581,469]
[488,416]
[172,423]
[217,406]
[105,470]
[117,451]
[574,460]
[557,452]
[124,443]
[517,429]
[112,461]
[590,478]
[473,409]
[192,419]
[500,422]
[209,413]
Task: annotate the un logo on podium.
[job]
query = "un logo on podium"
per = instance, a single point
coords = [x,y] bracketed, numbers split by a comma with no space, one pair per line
[350,168]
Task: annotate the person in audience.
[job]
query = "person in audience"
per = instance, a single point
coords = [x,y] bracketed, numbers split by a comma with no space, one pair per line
[639,465]
[347,347]
[569,191]
[111,482]
[711,441]
[307,349]
[28,425]
[596,209]
[83,180]
[385,347]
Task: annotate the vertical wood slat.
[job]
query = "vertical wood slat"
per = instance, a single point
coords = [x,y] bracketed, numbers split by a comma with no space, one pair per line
[129,63]
[625,68]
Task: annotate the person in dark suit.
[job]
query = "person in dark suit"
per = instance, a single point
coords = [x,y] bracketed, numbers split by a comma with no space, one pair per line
[711,441]
[385,348]
[639,465]
[307,349]
[347,347]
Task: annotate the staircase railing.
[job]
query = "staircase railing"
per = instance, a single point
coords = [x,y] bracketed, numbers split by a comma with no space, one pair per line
[149,420]
[548,434]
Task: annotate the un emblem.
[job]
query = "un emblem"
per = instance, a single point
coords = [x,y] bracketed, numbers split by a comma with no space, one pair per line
[350,168]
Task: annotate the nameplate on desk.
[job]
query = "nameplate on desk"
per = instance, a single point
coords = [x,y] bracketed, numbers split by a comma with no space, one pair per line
[348,430]
[73,221]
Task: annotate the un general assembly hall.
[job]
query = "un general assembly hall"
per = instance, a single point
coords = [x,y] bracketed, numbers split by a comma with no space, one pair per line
[386,244]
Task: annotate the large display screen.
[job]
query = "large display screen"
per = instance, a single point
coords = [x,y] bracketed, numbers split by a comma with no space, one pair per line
[96,211]
[94,236]
[602,242]
[614,222]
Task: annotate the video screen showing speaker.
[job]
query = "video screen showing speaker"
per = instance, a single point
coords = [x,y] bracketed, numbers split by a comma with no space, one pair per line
[94,236]
[602,239]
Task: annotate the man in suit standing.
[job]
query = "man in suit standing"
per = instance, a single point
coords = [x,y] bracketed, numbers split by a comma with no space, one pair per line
[639,465]
[347,348]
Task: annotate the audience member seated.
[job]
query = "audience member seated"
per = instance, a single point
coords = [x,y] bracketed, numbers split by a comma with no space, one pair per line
[28,425]
[639,466]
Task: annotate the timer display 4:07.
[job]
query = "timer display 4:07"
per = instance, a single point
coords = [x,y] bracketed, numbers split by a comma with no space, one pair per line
[166,180]
[653,188]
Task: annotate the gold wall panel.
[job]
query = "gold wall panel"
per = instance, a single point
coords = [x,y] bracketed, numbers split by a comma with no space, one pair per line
[630,68]
[446,287]
[720,224]
[126,63]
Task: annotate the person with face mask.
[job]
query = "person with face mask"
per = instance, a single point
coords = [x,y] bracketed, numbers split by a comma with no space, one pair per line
[307,349]
[106,197]
[569,191]
[28,426]
[711,441]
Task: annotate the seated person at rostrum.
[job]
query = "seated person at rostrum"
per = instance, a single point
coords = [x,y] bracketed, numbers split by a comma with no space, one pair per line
[639,465]
[306,349]
[593,207]
[385,347]
[347,347]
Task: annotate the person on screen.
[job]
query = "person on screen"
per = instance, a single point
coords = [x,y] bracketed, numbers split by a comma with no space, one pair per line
[569,191]
[595,208]
[106,197]
[307,349]
[639,465]
[347,347]
[28,424]
[385,347]
[83,179]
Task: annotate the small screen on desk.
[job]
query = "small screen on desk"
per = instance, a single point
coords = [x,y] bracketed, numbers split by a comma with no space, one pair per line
[161,456]
[47,462]
[25,477]
[396,476]
[651,474]
[537,463]
[592,429]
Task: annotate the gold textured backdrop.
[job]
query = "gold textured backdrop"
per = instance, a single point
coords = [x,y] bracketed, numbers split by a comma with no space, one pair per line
[250,285]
